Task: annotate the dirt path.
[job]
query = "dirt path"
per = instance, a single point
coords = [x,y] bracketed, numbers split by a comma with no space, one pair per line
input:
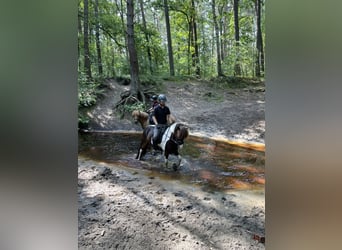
[124,208]
[121,208]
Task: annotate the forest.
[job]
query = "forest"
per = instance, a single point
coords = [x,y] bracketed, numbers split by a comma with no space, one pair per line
[167,39]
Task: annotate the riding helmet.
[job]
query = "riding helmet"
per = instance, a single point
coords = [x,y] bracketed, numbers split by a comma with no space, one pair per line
[162,97]
[154,98]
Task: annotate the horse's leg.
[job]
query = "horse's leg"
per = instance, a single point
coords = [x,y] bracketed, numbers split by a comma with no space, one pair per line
[142,148]
[166,156]
[140,153]
[176,166]
[179,160]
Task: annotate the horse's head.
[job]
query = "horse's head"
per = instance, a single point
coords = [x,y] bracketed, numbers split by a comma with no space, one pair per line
[135,116]
[180,134]
[139,116]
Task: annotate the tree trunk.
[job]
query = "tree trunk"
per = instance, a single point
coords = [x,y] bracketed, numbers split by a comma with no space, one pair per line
[147,37]
[219,67]
[221,32]
[189,45]
[225,31]
[133,58]
[121,8]
[169,40]
[79,42]
[206,49]
[221,41]
[195,40]
[97,36]
[87,65]
[262,58]
[113,64]
[237,67]
[197,58]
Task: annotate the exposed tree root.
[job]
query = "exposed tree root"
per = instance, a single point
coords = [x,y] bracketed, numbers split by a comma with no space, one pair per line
[129,99]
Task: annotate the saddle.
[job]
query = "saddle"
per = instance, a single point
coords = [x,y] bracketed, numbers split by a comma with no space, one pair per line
[150,120]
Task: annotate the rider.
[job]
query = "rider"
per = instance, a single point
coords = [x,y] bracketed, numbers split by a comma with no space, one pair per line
[154,100]
[160,116]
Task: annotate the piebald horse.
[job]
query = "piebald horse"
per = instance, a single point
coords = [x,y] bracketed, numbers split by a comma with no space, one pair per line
[172,139]
[142,118]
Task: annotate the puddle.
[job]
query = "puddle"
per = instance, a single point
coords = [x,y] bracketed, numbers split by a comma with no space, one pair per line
[213,164]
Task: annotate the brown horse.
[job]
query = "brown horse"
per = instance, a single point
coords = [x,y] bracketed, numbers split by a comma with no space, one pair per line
[172,139]
[142,118]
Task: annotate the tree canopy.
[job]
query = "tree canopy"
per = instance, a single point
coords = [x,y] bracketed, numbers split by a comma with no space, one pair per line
[202,35]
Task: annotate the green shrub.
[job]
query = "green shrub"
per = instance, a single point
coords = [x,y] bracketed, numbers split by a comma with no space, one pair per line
[128,108]
[83,118]
[88,91]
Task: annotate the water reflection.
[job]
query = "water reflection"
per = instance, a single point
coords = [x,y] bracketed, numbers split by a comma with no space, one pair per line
[210,163]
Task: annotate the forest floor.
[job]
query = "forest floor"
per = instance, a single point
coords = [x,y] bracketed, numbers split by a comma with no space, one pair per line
[235,113]
[123,208]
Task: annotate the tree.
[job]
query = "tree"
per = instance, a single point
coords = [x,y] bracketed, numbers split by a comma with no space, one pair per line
[133,58]
[97,37]
[87,64]
[79,42]
[121,10]
[195,55]
[147,37]
[207,38]
[217,38]
[259,62]
[237,67]
[169,40]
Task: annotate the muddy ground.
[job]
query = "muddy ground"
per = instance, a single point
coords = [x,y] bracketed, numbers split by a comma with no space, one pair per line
[126,208]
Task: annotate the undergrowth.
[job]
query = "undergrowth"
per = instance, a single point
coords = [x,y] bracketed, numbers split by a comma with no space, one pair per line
[89,91]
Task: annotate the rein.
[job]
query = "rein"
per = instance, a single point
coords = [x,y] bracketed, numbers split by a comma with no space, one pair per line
[178,142]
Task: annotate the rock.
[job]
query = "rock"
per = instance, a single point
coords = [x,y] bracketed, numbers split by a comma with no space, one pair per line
[104,171]
[189,207]
[179,194]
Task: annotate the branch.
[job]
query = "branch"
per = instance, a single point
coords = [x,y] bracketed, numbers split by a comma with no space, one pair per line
[105,31]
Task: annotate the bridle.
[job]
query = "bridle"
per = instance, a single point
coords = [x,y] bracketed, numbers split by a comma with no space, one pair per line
[176,140]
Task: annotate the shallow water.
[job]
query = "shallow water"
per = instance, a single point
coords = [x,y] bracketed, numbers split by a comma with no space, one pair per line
[210,163]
